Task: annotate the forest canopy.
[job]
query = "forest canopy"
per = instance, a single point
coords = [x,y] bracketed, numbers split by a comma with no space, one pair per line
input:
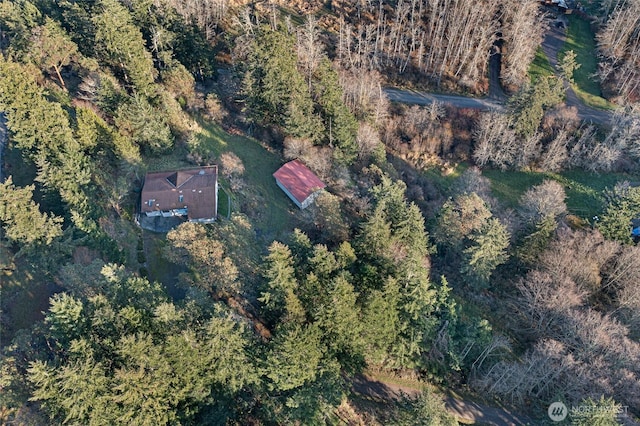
[490,253]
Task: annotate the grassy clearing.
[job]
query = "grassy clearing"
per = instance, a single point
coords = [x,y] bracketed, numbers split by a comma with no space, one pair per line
[584,190]
[444,179]
[581,40]
[261,199]
[540,67]
[508,186]
[224,203]
[593,101]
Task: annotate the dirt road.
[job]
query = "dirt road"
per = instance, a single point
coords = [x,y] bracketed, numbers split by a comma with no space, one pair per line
[423,98]
[552,44]
[463,410]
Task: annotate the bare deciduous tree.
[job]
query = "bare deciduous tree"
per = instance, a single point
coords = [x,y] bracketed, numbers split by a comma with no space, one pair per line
[621,277]
[368,141]
[206,14]
[580,256]
[362,93]
[309,48]
[543,201]
[618,42]
[544,300]
[471,180]
[522,34]
[233,169]
[296,147]
[539,374]
[555,155]
[448,40]
[583,147]
[495,142]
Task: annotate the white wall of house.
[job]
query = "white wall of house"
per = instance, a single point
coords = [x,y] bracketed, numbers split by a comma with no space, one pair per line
[310,199]
[306,202]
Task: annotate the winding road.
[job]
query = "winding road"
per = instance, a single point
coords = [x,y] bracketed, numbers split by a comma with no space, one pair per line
[415,97]
[552,44]
[423,98]
[465,411]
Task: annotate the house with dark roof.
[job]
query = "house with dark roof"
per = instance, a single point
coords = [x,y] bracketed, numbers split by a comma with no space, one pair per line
[299,183]
[192,193]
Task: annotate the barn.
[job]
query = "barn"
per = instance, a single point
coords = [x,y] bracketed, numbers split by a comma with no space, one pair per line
[299,183]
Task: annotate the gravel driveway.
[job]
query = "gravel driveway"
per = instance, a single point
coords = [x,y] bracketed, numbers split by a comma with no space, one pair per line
[551,46]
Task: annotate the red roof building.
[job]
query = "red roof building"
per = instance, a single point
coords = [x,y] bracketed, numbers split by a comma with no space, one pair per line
[299,183]
[191,192]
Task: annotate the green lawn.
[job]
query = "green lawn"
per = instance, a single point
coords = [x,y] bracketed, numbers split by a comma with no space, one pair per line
[581,40]
[540,67]
[442,181]
[224,203]
[261,199]
[584,190]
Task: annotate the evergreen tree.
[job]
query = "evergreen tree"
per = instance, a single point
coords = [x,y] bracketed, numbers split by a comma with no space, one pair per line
[568,65]
[427,409]
[623,205]
[65,318]
[93,133]
[458,218]
[75,392]
[339,319]
[301,248]
[281,283]
[41,129]
[51,48]
[120,45]
[21,217]
[300,119]
[381,321]
[374,243]
[18,19]
[602,412]
[294,357]
[339,120]
[313,403]
[528,106]
[394,244]
[145,125]
[131,357]
[77,18]
[537,241]
[276,90]
[487,251]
